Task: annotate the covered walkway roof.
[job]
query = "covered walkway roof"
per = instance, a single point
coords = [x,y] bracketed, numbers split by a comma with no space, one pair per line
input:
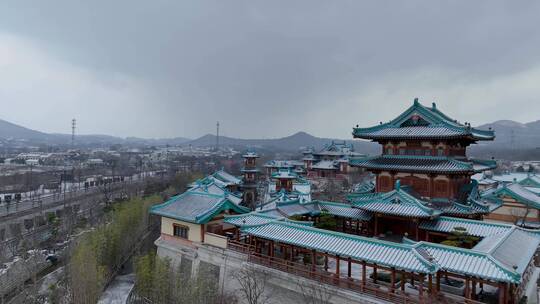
[474,227]
[399,256]
[495,261]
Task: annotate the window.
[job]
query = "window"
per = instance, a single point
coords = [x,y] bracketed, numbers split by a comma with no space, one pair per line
[180,231]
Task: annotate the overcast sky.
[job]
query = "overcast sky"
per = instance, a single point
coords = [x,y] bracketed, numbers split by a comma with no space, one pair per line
[263,68]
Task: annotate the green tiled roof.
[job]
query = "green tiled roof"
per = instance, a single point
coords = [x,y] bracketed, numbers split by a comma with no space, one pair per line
[531,181]
[396,202]
[343,210]
[250,219]
[519,193]
[382,253]
[196,207]
[474,227]
[467,262]
[418,163]
[494,264]
[285,173]
[421,122]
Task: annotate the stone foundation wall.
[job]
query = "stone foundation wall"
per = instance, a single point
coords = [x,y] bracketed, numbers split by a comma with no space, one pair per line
[281,287]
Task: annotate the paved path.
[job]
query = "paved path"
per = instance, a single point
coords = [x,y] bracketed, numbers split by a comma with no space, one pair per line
[118,290]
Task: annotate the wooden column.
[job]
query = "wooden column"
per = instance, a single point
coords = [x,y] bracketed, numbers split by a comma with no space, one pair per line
[421,288]
[473,295]
[292,253]
[313,260]
[375,274]
[337,266]
[416,223]
[363,275]
[349,268]
[467,288]
[438,281]
[376,229]
[326,262]
[502,293]
[402,281]
[271,248]
[430,283]
[392,280]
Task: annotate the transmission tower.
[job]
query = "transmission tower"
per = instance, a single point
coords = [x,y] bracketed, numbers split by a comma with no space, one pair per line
[217,136]
[73,126]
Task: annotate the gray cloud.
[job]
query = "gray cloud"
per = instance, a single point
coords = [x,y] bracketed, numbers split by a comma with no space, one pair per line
[265,69]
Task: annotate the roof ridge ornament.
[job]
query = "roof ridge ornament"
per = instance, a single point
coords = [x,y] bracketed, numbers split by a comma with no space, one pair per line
[434,105]
[398,185]
[416,101]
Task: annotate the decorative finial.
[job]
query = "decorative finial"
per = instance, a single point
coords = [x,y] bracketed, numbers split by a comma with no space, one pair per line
[398,184]
[434,105]
[357,126]
[416,101]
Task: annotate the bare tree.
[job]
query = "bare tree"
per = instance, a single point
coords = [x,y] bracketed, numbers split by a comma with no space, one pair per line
[315,292]
[252,284]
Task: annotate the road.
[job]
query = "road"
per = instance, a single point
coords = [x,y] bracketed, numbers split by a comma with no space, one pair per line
[50,200]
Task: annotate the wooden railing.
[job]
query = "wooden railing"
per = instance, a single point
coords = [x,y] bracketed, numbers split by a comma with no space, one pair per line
[379,291]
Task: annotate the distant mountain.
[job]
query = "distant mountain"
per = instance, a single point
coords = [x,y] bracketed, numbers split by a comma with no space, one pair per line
[11,131]
[510,136]
[515,134]
[289,143]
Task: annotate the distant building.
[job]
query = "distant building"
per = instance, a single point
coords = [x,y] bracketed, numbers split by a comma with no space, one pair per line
[331,161]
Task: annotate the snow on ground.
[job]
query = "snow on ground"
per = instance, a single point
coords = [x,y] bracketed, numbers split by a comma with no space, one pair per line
[118,290]
[50,279]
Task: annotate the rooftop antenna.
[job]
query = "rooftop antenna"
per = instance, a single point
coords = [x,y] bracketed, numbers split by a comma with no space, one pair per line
[217,136]
[73,126]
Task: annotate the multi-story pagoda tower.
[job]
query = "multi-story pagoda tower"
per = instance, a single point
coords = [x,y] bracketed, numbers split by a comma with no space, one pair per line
[423,171]
[426,150]
[249,180]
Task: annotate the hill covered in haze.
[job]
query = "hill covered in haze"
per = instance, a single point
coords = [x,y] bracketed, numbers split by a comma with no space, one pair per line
[289,143]
[514,140]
